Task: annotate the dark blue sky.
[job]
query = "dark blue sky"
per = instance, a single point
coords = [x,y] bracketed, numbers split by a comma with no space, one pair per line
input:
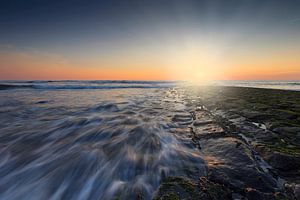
[42,22]
[151,31]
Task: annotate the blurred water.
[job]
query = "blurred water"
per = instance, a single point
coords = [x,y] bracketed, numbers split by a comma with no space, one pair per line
[92,144]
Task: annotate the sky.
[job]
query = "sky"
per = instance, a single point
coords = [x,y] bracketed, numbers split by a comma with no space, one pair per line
[150,40]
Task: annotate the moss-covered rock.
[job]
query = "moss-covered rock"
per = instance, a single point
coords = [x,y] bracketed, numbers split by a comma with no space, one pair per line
[178,188]
[242,109]
[174,188]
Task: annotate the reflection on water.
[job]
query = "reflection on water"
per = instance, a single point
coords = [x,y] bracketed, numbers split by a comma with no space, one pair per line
[92,144]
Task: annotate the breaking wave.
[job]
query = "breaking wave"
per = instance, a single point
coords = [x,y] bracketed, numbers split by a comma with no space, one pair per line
[56,85]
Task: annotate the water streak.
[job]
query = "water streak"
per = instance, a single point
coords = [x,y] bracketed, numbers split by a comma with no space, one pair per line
[95,144]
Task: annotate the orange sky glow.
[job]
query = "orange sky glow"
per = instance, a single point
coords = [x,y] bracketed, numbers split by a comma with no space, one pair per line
[187,40]
[168,66]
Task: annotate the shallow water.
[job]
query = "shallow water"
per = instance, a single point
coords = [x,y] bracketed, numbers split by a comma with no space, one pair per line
[93,144]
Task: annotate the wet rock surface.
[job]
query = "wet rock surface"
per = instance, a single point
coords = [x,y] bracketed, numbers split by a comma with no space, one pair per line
[250,152]
[264,124]
[231,162]
[181,188]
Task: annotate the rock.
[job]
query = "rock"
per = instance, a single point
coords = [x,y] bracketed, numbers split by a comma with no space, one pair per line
[283,130]
[255,116]
[208,130]
[237,196]
[252,194]
[42,102]
[284,162]
[235,166]
[201,123]
[286,165]
[178,188]
[293,190]
[285,114]
[183,119]
[297,191]
[174,188]
[214,190]
[203,116]
[278,142]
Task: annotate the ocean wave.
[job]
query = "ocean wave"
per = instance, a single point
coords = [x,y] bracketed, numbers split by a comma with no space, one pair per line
[82,86]
[70,87]
[90,82]
[12,86]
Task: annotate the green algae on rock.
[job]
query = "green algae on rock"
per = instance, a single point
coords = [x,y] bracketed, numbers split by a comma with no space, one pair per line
[178,188]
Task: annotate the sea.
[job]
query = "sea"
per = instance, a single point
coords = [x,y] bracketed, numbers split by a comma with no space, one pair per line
[91,139]
[96,139]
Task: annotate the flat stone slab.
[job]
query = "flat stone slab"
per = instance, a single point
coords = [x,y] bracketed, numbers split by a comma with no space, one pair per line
[231,162]
[203,116]
[210,129]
